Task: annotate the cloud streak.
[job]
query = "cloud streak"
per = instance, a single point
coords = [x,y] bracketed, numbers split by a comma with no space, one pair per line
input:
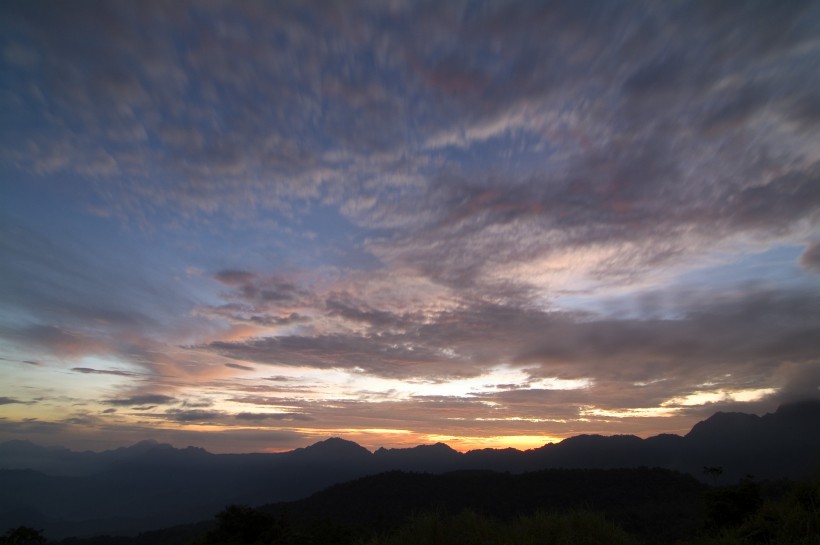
[147,399]
[513,216]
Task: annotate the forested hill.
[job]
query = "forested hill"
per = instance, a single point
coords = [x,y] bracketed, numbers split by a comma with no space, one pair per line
[151,485]
[645,501]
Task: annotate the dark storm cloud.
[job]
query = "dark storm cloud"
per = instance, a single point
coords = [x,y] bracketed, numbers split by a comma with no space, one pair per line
[146,399]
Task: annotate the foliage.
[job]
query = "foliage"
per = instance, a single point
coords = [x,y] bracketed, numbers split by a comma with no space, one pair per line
[243,525]
[713,471]
[731,505]
[468,528]
[580,507]
[22,535]
[792,519]
[240,525]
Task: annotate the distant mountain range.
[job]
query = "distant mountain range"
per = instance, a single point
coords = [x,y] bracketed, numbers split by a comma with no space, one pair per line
[151,485]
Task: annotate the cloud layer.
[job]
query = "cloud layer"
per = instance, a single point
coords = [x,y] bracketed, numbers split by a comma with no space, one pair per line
[491,219]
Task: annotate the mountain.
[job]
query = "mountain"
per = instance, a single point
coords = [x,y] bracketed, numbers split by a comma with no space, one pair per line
[151,485]
[337,449]
[435,458]
[657,503]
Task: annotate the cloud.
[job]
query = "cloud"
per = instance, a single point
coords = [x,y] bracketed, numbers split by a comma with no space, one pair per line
[273,416]
[810,259]
[433,187]
[79,421]
[9,401]
[752,339]
[240,367]
[231,440]
[634,56]
[234,277]
[145,399]
[31,425]
[785,200]
[649,179]
[57,340]
[379,355]
[197,404]
[179,415]
[115,372]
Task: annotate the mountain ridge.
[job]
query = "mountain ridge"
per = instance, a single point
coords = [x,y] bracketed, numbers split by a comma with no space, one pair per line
[716,423]
[63,490]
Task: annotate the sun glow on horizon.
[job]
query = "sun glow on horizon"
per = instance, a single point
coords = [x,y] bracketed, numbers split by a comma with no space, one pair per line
[703,397]
[467,443]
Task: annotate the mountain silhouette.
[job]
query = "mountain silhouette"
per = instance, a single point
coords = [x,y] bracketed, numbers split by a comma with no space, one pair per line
[335,448]
[151,485]
[657,503]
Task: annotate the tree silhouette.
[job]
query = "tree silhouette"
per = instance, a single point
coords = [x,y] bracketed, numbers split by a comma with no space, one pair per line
[22,535]
[714,472]
[244,525]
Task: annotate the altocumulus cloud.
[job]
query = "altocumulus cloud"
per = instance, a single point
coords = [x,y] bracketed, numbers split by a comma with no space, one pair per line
[439,191]
[194,415]
[146,399]
[810,259]
[258,417]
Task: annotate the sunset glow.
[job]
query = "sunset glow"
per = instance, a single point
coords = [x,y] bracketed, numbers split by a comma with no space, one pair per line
[252,226]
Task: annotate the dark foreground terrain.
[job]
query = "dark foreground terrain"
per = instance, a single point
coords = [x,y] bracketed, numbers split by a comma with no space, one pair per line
[713,481]
[150,485]
[562,507]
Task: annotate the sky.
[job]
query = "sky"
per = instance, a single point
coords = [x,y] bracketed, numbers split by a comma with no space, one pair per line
[250,226]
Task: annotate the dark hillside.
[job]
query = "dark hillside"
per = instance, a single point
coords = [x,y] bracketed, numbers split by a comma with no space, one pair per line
[643,501]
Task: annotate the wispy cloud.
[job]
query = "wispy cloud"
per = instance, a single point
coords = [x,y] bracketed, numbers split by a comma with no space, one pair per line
[273,416]
[239,366]
[146,399]
[381,197]
[10,400]
[115,372]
